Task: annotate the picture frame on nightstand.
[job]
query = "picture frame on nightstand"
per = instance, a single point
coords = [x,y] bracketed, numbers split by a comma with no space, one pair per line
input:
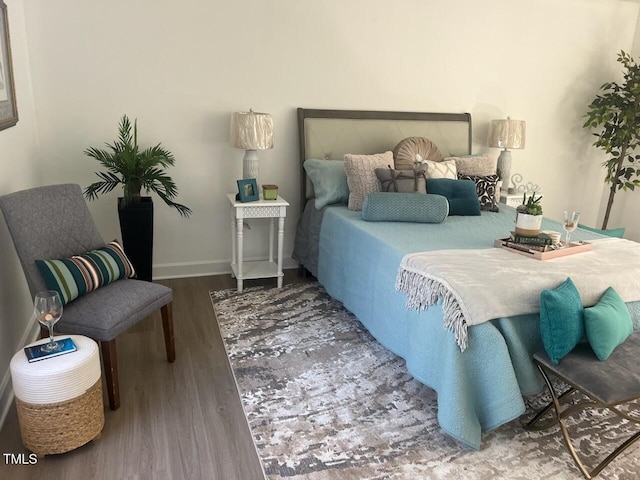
[248,190]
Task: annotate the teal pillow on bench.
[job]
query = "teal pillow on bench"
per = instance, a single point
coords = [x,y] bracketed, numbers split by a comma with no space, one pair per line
[404,207]
[608,323]
[461,194]
[561,323]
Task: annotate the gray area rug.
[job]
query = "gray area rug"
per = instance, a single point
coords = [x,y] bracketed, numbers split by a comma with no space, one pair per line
[325,400]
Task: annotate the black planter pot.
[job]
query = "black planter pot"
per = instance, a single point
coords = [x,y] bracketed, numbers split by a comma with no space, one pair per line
[136,227]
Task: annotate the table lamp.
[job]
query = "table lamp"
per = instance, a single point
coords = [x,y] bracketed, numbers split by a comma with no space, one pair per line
[251,131]
[506,134]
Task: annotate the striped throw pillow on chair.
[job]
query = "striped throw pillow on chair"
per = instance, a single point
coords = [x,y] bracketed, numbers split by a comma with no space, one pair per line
[81,274]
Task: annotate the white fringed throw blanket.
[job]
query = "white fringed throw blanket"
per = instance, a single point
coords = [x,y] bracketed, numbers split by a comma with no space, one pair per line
[479,285]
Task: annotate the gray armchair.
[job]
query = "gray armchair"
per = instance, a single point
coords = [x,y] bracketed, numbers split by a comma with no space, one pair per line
[53,222]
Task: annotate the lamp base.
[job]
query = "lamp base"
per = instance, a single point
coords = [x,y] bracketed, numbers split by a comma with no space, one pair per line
[250,164]
[504,166]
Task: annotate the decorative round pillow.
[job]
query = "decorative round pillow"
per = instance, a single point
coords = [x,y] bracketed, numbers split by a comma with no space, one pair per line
[405,152]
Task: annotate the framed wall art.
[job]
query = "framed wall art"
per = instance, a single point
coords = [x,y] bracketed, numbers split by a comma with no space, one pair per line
[8,107]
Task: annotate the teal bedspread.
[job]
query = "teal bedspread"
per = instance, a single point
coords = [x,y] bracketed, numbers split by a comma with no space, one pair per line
[478,389]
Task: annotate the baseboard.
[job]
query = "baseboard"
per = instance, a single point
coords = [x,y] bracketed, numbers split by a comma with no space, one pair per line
[201,269]
[30,335]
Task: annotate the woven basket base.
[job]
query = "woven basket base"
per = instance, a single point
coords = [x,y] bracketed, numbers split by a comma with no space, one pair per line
[63,426]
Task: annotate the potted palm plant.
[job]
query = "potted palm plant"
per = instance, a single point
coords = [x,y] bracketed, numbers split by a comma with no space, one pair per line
[135,169]
[529,216]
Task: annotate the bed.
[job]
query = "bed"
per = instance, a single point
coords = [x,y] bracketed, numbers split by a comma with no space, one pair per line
[357,262]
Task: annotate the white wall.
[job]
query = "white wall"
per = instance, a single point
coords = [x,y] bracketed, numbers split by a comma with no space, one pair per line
[18,170]
[181,68]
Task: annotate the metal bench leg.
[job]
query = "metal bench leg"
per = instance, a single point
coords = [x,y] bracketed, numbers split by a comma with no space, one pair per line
[535,425]
[562,414]
[563,427]
[615,453]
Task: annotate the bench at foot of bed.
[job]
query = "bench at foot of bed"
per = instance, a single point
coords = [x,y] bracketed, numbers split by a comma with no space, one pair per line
[607,384]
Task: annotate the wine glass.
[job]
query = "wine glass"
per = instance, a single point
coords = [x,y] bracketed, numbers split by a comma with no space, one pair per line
[47,307]
[570,223]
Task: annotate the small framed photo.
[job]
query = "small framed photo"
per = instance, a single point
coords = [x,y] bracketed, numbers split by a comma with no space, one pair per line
[248,190]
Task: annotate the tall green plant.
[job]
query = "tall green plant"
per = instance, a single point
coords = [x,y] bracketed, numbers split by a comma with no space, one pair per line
[615,114]
[126,164]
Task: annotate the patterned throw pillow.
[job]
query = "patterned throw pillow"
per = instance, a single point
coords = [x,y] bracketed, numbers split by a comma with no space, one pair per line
[80,274]
[361,175]
[486,188]
[444,169]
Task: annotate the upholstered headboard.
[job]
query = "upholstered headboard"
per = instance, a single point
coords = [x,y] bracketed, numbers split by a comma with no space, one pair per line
[330,134]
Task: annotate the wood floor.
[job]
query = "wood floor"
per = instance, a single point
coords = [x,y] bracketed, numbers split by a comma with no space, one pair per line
[176,421]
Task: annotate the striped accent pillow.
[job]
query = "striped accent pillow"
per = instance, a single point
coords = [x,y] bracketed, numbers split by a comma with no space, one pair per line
[80,274]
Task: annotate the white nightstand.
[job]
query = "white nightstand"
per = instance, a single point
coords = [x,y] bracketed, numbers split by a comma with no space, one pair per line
[513,199]
[270,209]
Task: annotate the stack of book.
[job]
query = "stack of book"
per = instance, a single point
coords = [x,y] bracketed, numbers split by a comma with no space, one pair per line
[540,243]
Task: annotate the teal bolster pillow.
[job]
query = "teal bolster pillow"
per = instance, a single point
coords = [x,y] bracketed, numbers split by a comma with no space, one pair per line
[561,324]
[80,274]
[608,323]
[461,194]
[329,181]
[404,207]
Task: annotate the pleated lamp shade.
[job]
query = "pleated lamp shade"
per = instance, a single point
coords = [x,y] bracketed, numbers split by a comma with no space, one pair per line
[251,131]
[507,133]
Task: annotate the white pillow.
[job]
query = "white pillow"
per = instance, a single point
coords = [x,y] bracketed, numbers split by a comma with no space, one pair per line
[444,169]
[476,165]
[361,175]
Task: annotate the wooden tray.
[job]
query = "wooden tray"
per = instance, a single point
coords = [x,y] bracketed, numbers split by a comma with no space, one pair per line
[575,247]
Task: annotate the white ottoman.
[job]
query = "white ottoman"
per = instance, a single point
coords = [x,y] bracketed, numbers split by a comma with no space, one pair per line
[59,400]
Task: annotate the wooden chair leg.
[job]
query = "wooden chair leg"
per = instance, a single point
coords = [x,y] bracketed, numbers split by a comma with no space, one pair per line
[110,362]
[167,325]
